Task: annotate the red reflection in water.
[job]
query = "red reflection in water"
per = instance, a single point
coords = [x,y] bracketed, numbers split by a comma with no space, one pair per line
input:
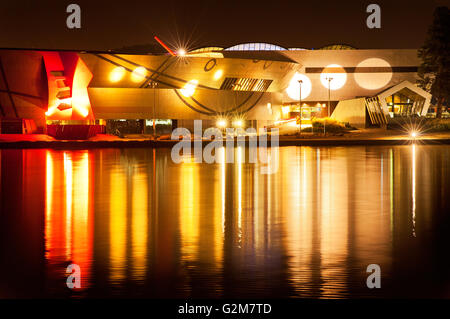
[68,216]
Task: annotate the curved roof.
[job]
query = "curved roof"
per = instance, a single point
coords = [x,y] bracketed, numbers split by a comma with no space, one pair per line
[337,47]
[206,49]
[255,47]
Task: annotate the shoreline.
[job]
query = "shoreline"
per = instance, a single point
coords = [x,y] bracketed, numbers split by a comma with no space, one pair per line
[114,142]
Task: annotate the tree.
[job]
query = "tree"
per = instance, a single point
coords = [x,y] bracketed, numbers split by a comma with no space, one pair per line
[434,71]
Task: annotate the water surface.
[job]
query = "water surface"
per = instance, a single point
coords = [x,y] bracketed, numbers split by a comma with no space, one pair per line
[140,225]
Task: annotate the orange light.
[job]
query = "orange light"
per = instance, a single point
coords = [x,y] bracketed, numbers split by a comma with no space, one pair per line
[222,123]
[116,74]
[138,74]
[189,88]
[50,111]
[218,74]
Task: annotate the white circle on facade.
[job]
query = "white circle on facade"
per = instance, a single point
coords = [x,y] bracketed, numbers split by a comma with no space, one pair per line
[333,76]
[293,90]
[373,73]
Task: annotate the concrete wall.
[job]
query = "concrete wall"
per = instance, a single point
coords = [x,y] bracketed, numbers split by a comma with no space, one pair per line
[352,111]
[360,82]
[25,86]
[132,103]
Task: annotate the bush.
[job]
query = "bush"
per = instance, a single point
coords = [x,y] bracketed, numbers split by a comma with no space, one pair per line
[437,125]
[421,124]
[331,126]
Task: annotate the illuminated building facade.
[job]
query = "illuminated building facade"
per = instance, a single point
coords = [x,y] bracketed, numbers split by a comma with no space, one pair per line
[257,83]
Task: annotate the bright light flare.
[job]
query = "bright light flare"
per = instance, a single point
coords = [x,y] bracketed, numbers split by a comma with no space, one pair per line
[181,52]
[221,123]
[336,73]
[238,123]
[414,134]
[189,88]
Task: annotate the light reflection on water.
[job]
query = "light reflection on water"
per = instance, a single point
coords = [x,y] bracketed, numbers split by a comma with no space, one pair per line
[140,225]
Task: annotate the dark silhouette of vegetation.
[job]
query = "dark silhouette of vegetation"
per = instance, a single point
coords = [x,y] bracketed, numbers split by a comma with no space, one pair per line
[434,72]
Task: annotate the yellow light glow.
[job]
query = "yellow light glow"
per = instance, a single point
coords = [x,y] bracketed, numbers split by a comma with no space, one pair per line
[373,80]
[50,111]
[293,90]
[337,75]
[82,111]
[138,74]
[414,134]
[218,74]
[117,74]
[221,123]
[238,123]
[181,52]
[285,110]
[139,223]
[189,88]
[117,226]
[188,213]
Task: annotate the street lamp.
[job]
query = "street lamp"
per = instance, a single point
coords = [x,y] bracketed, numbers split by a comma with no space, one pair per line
[300,105]
[154,85]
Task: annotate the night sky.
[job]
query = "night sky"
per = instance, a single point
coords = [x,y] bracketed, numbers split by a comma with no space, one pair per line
[193,24]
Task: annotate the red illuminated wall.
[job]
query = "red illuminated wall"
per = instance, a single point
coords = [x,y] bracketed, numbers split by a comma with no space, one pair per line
[68,79]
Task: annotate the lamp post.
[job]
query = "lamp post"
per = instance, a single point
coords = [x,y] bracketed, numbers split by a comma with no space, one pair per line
[300,105]
[154,84]
[328,111]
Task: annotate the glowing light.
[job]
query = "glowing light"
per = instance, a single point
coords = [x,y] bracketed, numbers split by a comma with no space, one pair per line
[221,123]
[218,74]
[373,80]
[80,97]
[50,111]
[138,74]
[293,90]
[285,110]
[82,111]
[181,52]
[189,88]
[336,73]
[117,74]
[238,123]
[413,134]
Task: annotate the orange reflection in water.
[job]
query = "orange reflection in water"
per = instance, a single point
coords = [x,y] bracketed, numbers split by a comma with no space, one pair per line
[189,212]
[68,222]
[325,225]
[139,227]
[118,225]
[225,229]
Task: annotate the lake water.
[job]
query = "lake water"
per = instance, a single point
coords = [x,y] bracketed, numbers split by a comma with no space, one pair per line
[139,225]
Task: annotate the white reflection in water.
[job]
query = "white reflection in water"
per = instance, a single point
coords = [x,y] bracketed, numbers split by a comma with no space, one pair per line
[413,182]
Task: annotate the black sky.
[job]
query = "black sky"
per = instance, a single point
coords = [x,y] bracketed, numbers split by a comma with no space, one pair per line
[307,24]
